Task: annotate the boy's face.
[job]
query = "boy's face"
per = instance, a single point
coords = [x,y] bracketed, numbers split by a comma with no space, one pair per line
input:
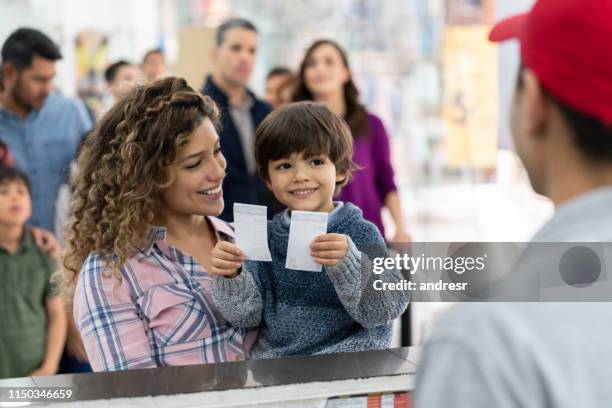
[15,204]
[304,183]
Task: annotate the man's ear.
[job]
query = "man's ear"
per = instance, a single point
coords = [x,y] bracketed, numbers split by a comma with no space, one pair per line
[535,105]
[214,54]
[9,73]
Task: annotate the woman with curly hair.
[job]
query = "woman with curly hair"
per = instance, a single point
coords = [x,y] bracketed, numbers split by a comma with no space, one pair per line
[325,76]
[147,190]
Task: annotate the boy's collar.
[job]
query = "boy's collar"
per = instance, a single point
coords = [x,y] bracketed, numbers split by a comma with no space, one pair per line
[25,243]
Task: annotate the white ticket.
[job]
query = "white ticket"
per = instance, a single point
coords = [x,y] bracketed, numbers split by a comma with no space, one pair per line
[305,227]
[251,227]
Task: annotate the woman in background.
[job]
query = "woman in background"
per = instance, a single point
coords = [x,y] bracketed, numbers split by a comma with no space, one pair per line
[325,76]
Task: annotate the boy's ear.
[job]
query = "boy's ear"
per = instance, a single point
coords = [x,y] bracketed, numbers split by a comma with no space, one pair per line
[340,178]
[268,184]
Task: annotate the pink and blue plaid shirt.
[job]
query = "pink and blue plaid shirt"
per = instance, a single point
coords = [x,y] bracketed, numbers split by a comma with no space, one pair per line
[161,315]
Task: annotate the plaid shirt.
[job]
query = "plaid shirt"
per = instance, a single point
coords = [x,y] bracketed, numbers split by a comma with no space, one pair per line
[161,315]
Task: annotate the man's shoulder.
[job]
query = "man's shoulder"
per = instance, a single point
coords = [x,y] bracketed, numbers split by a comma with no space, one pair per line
[68,107]
[260,105]
[498,326]
[211,90]
[478,317]
[59,100]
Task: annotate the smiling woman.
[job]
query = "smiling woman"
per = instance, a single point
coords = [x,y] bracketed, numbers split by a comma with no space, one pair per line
[146,196]
[325,76]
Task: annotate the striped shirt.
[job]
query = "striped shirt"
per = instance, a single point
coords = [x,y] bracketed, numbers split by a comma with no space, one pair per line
[161,315]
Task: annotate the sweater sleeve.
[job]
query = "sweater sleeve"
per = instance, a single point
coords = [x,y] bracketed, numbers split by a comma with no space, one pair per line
[385,175]
[353,279]
[239,299]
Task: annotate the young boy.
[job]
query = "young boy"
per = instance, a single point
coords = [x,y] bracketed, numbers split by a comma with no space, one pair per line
[33,320]
[303,153]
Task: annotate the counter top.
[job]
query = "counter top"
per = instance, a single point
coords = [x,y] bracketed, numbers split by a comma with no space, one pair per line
[228,376]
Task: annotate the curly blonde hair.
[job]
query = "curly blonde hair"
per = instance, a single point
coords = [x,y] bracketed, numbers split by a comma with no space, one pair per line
[122,168]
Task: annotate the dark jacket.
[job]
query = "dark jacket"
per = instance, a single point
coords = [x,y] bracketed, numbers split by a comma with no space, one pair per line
[239,186]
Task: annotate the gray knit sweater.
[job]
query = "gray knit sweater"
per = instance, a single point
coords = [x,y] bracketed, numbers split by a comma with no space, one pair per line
[300,312]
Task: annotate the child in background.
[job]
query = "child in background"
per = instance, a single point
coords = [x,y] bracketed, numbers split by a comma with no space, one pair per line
[33,320]
[303,153]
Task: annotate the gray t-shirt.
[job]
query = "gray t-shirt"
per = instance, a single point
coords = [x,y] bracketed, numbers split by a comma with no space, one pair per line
[527,354]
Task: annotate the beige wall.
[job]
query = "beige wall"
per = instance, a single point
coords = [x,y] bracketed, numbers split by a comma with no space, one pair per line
[194,61]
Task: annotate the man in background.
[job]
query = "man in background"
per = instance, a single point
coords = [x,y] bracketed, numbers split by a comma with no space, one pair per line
[120,77]
[154,65]
[42,128]
[241,113]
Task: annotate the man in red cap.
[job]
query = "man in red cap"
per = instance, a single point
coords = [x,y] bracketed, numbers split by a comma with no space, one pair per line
[544,354]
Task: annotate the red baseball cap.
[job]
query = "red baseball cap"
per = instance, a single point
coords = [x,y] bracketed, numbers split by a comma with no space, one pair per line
[568,45]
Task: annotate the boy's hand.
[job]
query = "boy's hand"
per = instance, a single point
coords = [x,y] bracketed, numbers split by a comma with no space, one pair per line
[329,249]
[226,259]
[43,370]
[46,242]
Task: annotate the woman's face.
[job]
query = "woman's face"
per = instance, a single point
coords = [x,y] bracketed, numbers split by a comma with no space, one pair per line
[198,171]
[325,72]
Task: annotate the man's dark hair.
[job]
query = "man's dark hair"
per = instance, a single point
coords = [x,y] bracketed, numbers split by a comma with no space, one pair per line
[309,128]
[111,71]
[230,24]
[152,52]
[23,44]
[590,135]
[11,174]
[278,71]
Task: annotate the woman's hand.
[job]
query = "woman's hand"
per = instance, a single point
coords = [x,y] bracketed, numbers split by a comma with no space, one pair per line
[46,242]
[329,249]
[226,259]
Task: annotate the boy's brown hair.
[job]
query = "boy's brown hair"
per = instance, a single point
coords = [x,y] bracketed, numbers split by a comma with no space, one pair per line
[309,128]
[11,174]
